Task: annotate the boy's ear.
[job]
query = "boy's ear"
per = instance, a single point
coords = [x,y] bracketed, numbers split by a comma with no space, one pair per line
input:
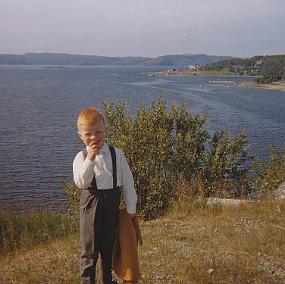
[79,134]
[107,131]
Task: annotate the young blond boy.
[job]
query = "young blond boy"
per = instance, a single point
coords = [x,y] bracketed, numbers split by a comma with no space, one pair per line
[102,172]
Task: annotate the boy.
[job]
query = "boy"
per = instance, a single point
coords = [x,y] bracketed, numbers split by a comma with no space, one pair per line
[102,172]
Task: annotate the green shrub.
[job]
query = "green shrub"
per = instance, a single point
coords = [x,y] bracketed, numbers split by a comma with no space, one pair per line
[72,192]
[271,173]
[169,149]
[167,145]
[147,140]
[226,165]
[163,145]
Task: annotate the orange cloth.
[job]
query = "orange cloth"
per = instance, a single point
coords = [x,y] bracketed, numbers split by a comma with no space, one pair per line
[125,254]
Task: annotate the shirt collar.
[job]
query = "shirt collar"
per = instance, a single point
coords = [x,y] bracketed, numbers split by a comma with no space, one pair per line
[104,149]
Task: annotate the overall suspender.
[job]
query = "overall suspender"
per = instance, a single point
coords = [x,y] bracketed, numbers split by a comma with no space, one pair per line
[114,167]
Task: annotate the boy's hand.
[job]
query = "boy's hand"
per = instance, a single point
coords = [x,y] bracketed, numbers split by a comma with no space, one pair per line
[92,151]
[136,227]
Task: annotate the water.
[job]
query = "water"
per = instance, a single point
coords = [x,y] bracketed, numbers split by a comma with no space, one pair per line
[39,106]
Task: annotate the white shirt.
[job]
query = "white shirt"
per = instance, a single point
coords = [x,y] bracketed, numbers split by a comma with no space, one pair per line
[84,170]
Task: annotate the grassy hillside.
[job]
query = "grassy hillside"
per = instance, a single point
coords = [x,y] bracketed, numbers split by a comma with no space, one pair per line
[193,243]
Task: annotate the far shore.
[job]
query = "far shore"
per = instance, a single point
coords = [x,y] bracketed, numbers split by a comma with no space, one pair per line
[277,86]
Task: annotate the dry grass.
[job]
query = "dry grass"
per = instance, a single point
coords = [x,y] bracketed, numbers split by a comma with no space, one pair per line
[31,229]
[56,262]
[199,244]
[192,244]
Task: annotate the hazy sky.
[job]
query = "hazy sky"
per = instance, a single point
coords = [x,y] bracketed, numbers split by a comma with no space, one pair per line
[143,27]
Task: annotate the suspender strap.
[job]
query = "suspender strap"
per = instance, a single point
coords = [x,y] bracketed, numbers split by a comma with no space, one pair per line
[114,167]
[93,183]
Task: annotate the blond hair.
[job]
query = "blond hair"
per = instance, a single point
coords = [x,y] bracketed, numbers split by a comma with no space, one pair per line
[89,116]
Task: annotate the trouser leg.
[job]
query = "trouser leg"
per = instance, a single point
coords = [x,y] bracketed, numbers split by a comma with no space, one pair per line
[88,276]
[98,225]
[88,272]
[107,233]
[98,237]
[89,253]
[106,260]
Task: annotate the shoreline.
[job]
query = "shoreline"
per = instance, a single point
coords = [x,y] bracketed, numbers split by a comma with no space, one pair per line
[276,86]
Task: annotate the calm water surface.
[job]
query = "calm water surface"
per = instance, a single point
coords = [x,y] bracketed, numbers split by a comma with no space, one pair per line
[39,107]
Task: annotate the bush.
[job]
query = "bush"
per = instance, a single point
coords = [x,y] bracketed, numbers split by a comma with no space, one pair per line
[271,173]
[226,165]
[171,153]
[72,192]
[147,140]
[163,145]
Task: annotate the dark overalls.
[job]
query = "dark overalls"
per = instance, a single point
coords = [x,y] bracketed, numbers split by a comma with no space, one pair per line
[99,211]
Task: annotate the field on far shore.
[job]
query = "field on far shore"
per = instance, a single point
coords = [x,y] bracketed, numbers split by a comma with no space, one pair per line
[193,243]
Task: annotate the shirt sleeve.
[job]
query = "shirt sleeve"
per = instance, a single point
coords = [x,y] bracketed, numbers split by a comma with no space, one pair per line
[83,171]
[130,195]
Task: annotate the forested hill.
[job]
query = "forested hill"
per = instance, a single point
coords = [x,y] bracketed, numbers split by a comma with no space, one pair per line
[184,60]
[73,59]
[270,68]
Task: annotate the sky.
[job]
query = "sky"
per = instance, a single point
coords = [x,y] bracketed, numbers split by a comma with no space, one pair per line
[151,28]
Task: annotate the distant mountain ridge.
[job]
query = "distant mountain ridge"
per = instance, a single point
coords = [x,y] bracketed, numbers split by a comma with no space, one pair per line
[74,59]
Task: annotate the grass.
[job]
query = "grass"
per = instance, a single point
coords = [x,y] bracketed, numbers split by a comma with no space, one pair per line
[55,262]
[193,243]
[28,230]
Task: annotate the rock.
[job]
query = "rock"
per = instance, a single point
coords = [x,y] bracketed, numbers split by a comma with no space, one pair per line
[256,195]
[280,191]
[225,201]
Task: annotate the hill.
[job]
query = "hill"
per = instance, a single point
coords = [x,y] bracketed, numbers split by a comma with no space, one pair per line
[268,68]
[184,60]
[73,59]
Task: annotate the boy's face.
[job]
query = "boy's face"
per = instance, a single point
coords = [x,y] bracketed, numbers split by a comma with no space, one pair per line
[96,133]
